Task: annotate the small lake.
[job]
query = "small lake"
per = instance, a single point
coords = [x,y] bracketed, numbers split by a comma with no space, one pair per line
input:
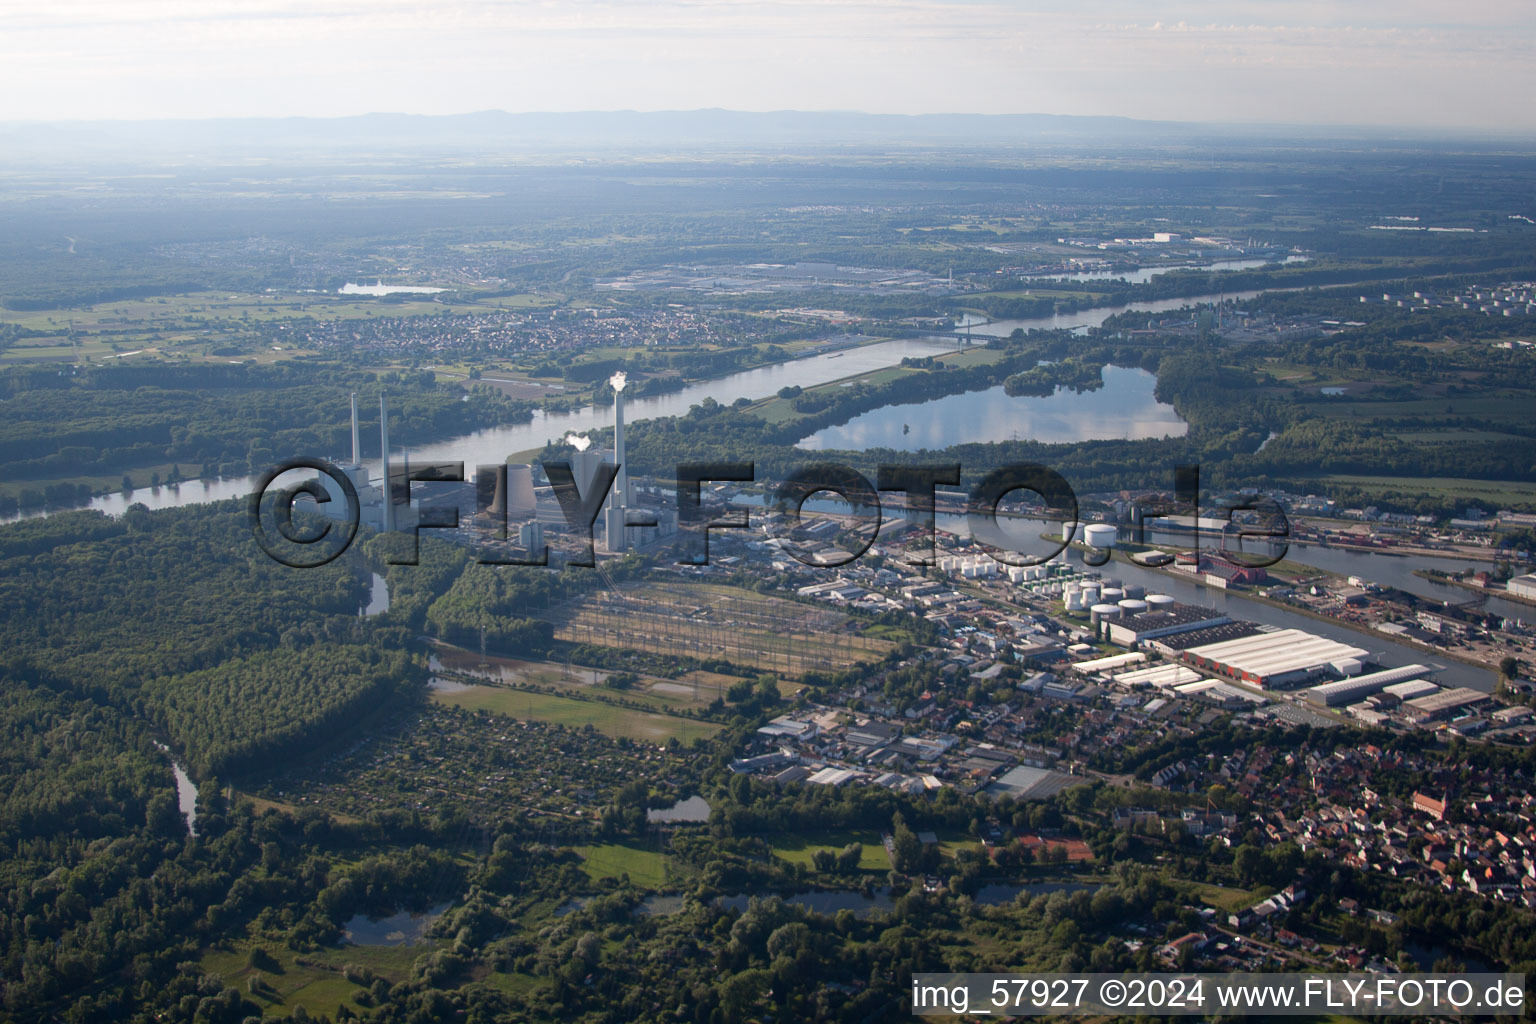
[1425,955]
[693,809]
[380,288]
[378,597]
[403,929]
[186,791]
[437,684]
[1124,407]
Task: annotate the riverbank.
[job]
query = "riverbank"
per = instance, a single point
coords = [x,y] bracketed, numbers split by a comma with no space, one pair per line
[1436,576]
[1363,630]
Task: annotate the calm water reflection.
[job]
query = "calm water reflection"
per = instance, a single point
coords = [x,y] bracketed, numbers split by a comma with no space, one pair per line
[1123,408]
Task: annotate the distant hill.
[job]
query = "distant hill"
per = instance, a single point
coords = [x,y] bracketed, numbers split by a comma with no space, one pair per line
[499,131]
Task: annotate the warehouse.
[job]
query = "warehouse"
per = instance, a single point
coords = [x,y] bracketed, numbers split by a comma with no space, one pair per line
[1447,702]
[1130,630]
[1411,689]
[1177,643]
[1350,691]
[1108,664]
[1160,676]
[1523,586]
[1286,657]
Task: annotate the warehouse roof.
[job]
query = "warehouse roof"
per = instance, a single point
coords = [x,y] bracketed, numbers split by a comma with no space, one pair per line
[1279,653]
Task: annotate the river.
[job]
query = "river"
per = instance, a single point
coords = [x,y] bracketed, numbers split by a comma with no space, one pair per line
[1144,274]
[1023,535]
[1096,316]
[496,443]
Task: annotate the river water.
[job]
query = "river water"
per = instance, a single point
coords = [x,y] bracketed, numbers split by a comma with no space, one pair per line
[1023,535]
[1095,317]
[495,444]
[1145,274]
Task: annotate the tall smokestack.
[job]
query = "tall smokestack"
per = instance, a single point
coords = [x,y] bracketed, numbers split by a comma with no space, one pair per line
[389,497]
[357,447]
[621,497]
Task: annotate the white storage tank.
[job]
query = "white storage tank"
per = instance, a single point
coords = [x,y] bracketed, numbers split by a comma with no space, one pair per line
[1074,601]
[1100,612]
[1100,535]
[1132,606]
[1160,602]
[1111,595]
[1135,590]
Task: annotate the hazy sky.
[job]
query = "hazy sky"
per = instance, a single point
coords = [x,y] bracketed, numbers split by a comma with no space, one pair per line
[1406,62]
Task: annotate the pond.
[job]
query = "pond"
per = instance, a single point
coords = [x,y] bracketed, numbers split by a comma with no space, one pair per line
[407,928]
[1125,407]
[378,597]
[693,809]
[186,791]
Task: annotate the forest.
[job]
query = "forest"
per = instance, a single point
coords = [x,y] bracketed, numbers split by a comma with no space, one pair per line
[212,420]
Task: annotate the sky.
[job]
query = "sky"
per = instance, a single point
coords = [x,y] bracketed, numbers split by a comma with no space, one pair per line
[1423,63]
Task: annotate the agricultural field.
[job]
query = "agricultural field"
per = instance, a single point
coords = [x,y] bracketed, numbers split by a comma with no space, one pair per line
[283,983]
[799,849]
[646,868]
[185,325]
[662,695]
[718,622]
[1502,493]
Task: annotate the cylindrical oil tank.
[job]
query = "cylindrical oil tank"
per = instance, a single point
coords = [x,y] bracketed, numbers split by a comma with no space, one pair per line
[1100,535]
[1100,612]
[1160,602]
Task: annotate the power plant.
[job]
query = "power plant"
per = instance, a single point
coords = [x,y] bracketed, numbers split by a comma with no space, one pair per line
[389,498]
[374,508]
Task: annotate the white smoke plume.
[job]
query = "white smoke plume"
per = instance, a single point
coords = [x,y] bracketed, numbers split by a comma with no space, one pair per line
[618,380]
[578,442]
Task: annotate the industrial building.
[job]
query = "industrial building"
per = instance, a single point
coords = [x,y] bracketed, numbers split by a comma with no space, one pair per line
[1412,688]
[1523,586]
[1445,703]
[1159,676]
[1357,688]
[1109,664]
[1284,658]
[1162,619]
[1175,644]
